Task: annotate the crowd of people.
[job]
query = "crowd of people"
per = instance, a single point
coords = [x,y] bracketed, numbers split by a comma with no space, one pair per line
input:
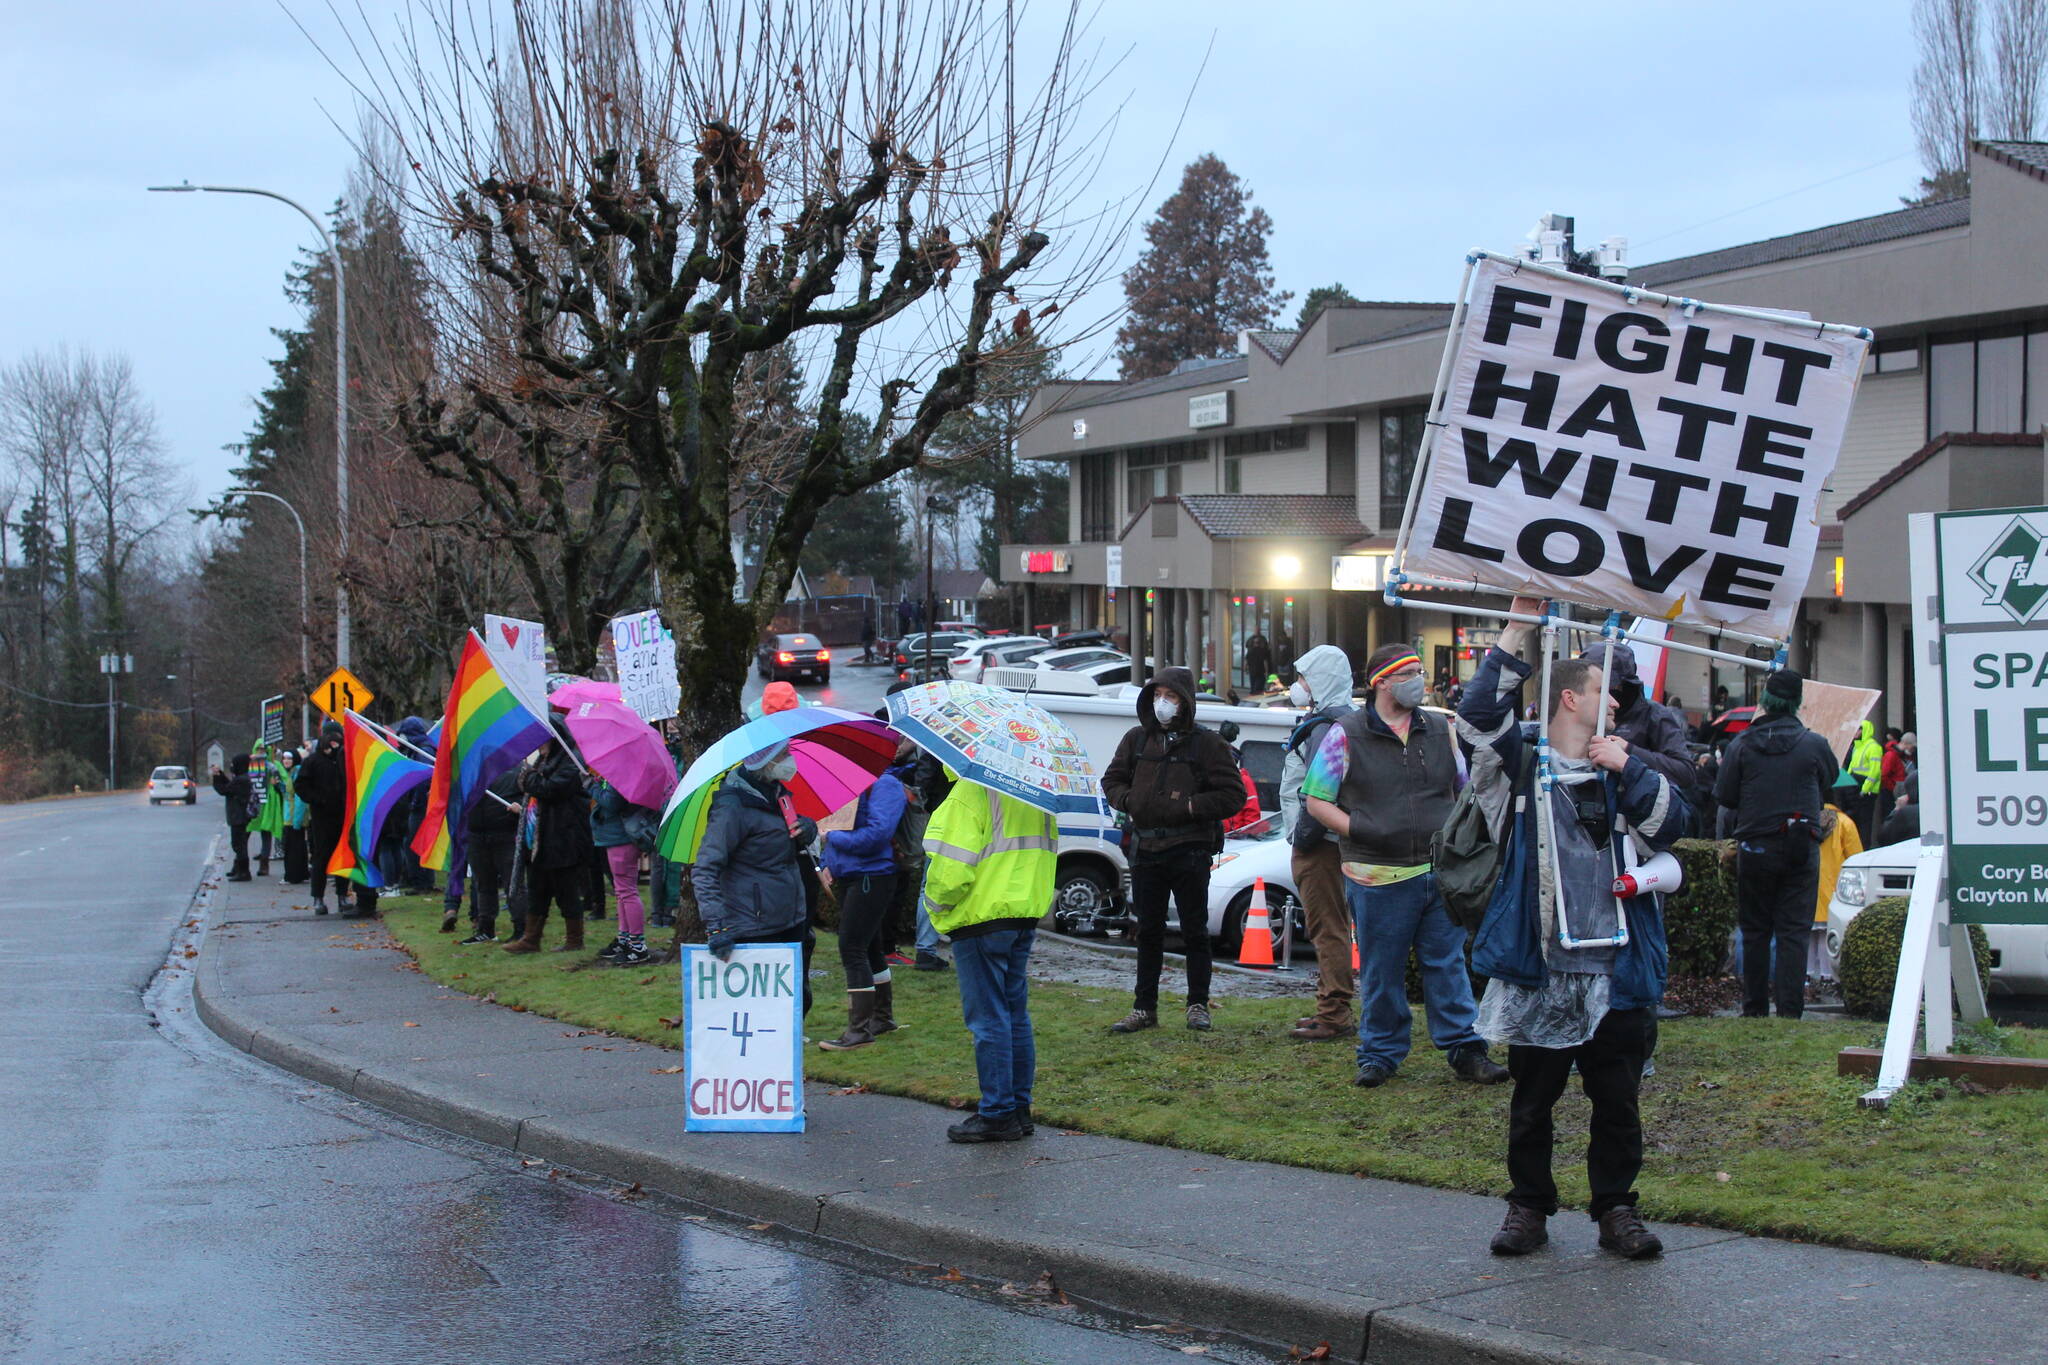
[1375,788]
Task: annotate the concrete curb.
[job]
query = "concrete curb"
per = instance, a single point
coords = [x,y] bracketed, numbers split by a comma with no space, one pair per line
[1133,1281]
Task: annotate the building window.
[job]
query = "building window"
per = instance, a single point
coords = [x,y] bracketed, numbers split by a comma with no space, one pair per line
[1893,357]
[1981,381]
[1154,471]
[1233,476]
[1260,442]
[1340,460]
[1400,442]
[1098,496]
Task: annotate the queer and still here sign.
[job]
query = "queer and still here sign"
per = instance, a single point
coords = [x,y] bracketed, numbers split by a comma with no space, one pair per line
[743,1040]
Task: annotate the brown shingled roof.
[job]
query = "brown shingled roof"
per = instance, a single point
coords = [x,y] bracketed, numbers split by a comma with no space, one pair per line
[1928,452]
[1239,516]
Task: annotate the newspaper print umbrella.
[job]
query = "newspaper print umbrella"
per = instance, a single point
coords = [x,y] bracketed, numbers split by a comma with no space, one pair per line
[1001,740]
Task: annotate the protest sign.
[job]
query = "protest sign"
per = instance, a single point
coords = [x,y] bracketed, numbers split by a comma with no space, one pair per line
[519,649]
[1602,447]
[1835,712]
[645,656]
[743,1039]
[272,728]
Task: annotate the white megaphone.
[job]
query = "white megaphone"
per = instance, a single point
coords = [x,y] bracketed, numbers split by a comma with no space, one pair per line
[1661,874]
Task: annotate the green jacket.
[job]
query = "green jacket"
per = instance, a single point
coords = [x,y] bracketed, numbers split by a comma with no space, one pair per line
[987,857]
[1866,759]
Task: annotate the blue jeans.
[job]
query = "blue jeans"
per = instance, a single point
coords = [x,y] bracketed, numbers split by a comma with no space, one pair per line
[994,998]
[927,937]
[1390,920]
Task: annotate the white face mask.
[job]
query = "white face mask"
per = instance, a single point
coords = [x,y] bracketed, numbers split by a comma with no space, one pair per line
[1165,710]
[781,770]
[1298,694]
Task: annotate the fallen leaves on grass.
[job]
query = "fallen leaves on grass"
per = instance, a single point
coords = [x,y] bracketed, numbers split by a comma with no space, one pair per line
[667,1022]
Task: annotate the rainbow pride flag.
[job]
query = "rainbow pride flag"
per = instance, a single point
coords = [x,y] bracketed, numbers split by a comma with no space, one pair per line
[486,732]
[377,777]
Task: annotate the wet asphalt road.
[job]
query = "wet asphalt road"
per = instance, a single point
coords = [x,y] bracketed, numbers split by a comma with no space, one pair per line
[173,1201]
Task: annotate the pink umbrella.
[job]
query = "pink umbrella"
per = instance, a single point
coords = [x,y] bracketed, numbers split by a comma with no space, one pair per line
[623,750]
[569,696]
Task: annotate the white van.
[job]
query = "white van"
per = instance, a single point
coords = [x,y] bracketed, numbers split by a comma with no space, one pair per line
[1091,892]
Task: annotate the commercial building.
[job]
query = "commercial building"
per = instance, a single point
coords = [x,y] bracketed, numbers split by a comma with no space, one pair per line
[1261,492]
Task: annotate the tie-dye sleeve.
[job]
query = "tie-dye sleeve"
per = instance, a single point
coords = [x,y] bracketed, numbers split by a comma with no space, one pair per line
[1326,770]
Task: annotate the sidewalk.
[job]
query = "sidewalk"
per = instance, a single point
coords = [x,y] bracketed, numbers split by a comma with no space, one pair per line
[1382,1271]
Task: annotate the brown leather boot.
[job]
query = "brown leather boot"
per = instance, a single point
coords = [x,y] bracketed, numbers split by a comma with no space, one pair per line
[529,938]
[572,938]
[1622,1232]
[885,1009]
[860,1018]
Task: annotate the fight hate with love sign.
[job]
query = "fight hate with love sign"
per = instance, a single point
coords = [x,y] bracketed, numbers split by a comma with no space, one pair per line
[743,1040]
[1632,455]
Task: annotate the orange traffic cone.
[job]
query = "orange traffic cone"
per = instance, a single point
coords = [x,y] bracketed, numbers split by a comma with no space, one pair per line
[1257,950]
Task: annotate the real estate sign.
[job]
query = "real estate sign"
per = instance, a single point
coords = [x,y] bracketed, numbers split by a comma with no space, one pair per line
[743,1039]
[1620,449]
[1992,603]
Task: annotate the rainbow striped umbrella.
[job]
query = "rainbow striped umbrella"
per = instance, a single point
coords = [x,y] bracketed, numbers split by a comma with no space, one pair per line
[839,754]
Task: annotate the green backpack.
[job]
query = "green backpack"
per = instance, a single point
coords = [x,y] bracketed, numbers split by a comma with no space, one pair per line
[1466,859]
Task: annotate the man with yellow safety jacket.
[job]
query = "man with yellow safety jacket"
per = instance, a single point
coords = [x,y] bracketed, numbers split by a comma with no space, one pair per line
[1866,765]
[988,877]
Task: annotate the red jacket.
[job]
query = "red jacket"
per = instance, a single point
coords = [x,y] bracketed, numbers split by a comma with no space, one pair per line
[1251,809]
[1893,772]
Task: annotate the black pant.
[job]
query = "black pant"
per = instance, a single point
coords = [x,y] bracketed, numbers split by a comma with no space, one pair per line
[864,903]
[1182,874]
[295,868]
[326,835]
[490,876]
[1610,1071]
[801,934]
[263,856]
[563,886]
[238,840]
[1777,879]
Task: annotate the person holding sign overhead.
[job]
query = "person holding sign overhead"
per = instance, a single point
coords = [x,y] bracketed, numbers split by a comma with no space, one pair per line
[1574,972]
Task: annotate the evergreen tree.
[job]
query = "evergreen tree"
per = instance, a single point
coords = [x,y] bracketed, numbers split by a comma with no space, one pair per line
[1204,276]
[1317,299]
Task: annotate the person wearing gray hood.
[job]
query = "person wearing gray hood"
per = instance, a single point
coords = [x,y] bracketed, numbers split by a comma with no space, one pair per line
[1322,688]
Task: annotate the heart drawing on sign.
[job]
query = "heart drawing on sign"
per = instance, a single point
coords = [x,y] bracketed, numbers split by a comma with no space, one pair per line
[509,631]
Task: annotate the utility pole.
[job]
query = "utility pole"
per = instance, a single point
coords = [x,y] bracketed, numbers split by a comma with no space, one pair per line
[931,602]
[114,665]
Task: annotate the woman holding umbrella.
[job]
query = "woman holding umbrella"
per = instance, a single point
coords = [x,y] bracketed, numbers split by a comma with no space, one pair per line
[556,846]
[746,879]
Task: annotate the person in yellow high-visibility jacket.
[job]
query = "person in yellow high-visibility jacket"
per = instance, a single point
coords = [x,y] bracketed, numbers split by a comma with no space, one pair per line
[1866,765]
[988,878]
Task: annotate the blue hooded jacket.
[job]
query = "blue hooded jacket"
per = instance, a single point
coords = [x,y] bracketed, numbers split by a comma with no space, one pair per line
[1509,942]
[867,849]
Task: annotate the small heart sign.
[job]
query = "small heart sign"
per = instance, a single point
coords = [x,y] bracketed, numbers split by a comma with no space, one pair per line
[510,632]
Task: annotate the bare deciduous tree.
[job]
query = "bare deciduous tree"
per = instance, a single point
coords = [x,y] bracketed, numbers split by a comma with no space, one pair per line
[644,199]
[2019,56]
[1945,93]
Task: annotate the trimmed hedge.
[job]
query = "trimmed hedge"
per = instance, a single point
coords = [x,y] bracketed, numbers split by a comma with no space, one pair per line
[1699,917]
[1870,957]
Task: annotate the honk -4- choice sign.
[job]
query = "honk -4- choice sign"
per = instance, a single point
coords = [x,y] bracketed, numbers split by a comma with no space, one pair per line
[743,1040]
[1993,605]
[1656,457]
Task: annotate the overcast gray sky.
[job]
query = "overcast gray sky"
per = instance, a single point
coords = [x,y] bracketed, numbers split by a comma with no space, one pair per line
[1383,136]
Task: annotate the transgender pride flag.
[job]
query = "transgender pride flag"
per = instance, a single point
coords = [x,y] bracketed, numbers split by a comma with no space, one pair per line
[378,778]
[486,732]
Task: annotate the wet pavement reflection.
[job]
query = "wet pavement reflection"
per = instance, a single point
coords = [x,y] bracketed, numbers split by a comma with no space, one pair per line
[172,1200]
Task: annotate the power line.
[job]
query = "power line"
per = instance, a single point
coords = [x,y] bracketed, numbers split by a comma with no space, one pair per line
[1763,203]
[125,705]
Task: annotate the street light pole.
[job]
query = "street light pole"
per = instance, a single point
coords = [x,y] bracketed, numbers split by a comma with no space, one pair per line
[305,620]
[113,665]
[341,616]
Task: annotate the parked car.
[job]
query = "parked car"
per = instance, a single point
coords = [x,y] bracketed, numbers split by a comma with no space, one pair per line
[1080,656]
[1100,678]
[172,783]
[1089,892]
[2019,952]
[945,644]
[793,656]
[973,660]
[962,628]
[1069,639]
[1251,854]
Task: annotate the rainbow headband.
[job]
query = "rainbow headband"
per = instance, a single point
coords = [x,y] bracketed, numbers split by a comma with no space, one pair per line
[1393,666]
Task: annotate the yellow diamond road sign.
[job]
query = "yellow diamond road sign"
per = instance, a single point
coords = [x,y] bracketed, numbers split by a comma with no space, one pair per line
[343,691]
